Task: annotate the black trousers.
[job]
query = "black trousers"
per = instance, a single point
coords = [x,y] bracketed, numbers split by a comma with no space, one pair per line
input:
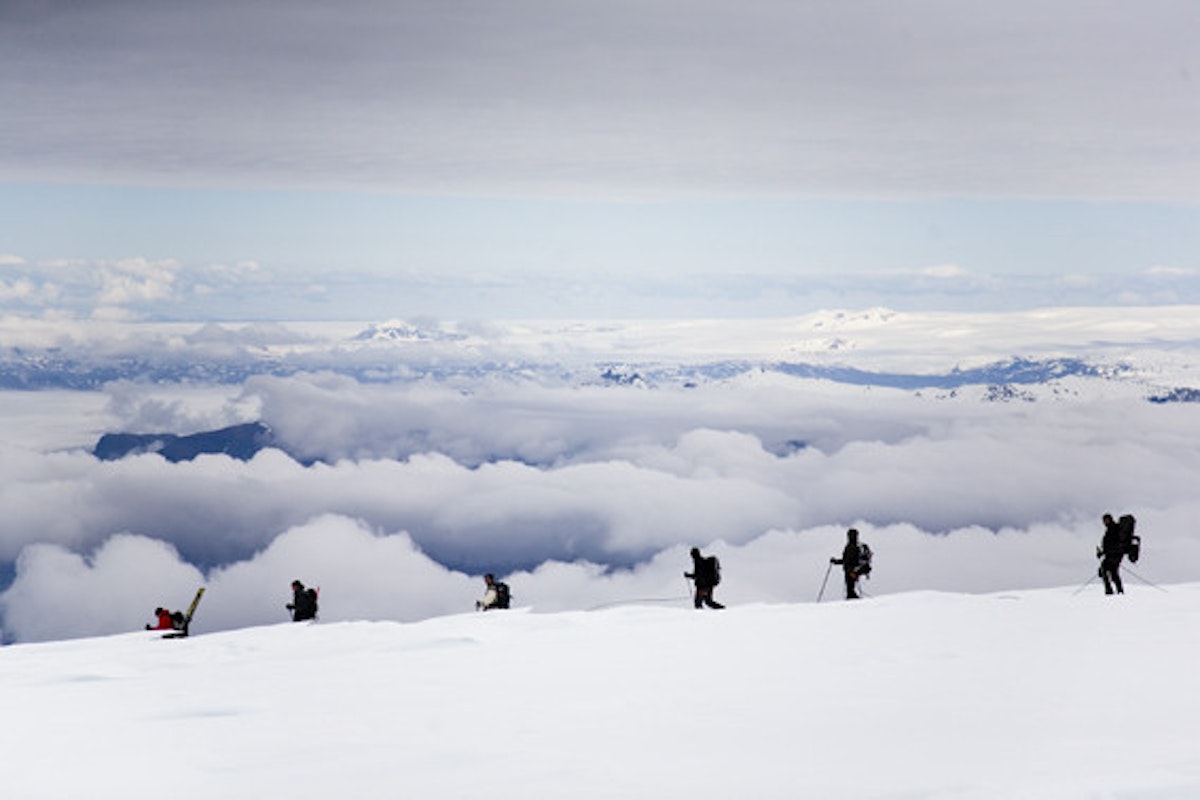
[851,586]
[1110,571]
[704,597]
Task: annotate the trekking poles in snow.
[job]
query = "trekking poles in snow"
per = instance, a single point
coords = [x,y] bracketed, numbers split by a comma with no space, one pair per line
[1128,571]
[1089,583]
[821,593]
[1143,580]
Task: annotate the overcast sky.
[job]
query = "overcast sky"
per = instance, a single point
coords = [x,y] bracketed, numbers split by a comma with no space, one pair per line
[293,158]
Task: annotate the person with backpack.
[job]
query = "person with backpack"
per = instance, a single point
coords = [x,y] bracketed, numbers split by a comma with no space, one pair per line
[855,561]
[1110,552]
[166,620]
[495,596]
[706,574]
[304,602]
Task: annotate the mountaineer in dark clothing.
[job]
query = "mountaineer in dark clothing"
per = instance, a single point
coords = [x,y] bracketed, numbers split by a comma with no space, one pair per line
[1110,552]
[304,602]
[855,561]
[706,572]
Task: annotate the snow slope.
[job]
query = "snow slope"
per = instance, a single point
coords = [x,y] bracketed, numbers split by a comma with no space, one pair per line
[1038,694]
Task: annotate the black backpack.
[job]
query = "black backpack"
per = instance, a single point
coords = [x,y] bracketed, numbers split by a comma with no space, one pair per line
[714,569]
[864,559]
[503,597]
[1131,543]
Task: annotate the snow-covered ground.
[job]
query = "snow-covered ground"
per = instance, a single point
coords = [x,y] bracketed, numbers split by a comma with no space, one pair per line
[1036,694]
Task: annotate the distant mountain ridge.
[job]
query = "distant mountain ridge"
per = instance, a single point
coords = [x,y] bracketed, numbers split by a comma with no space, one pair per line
[237,441]
[400,331]
[45,373]
[1014,379]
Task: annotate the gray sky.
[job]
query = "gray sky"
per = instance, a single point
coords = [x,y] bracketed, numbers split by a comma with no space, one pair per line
[413,144]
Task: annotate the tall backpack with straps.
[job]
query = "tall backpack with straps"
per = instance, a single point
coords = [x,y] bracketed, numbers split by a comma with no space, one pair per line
[503,596]
[1131,543]
[714,569]
[864,559]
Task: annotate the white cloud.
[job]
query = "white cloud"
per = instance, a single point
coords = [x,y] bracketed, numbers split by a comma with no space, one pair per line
[626,474]
[366,574]
[136,280]
[1077,281]
[944,271]
[591,493]
[121,289]
[1170,273]
[60,594]
[20,289]
[25,291]
[359,574]
[215,278]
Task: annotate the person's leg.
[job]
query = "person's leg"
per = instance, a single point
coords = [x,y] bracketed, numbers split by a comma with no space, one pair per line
[851,586]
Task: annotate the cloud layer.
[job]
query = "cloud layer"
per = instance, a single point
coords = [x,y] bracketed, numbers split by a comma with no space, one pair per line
[583,460]
[591,495]
[1072,99]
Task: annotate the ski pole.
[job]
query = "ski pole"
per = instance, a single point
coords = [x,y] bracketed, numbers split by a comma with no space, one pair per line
[1089,583]
[1143,580]
[821,593]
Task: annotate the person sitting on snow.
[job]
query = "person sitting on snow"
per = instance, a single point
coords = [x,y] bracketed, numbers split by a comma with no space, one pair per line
[165,620]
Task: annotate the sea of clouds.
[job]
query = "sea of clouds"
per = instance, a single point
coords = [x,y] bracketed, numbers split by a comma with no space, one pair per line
[394,494]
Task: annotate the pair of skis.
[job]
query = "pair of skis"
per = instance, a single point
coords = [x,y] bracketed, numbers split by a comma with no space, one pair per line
[187,617]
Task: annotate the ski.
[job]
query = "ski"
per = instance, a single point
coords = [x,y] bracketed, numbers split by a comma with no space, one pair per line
[187,617]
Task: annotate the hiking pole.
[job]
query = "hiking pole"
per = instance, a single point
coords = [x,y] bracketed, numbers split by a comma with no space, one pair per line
[1143,580]
[821,593]
[1089,583]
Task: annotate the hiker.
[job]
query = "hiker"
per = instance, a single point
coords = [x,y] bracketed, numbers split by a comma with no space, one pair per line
[1110,552]
[855,561]
[706,573]
[495,596]
[304,602]
[166,620]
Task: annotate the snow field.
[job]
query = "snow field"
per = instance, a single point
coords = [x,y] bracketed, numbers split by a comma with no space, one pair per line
[1033,694]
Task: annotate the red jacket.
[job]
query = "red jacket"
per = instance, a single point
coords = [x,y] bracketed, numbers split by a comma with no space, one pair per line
[165,622]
